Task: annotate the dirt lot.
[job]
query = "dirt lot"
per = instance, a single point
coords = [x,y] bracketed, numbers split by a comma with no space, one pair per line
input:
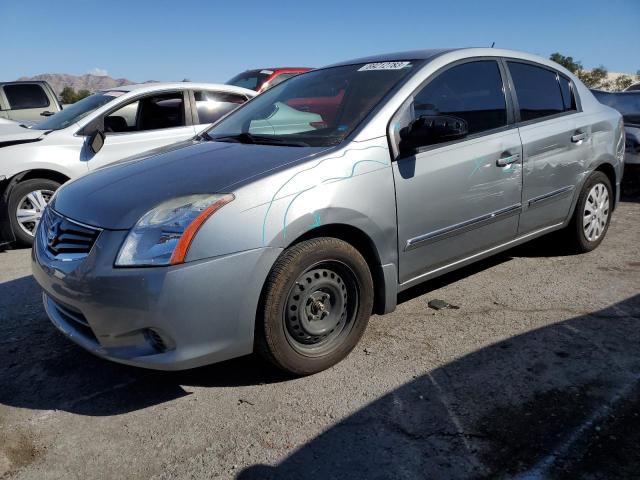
[536,375]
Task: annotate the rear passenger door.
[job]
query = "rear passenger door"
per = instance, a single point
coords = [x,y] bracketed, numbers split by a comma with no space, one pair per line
[458,198]
[556,140]
[210,106]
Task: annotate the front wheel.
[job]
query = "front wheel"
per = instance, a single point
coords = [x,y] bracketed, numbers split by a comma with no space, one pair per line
[27,201]
[592,214]
[315,307]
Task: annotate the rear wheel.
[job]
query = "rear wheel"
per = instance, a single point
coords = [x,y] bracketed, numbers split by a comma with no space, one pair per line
[592,214]
[27,201]
[316,306]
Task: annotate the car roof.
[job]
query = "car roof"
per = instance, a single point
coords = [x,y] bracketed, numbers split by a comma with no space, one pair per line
[426,54]
[457,53]
[153,86]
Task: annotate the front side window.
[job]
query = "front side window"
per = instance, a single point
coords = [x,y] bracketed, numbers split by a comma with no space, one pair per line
[211,106]
[537,90]
[471,91]
[318,108]
[153,112]
[24,96]
[78,110]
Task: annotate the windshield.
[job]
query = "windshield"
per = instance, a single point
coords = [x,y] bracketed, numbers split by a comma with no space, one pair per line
[78,110]
[319,108]
[252,79]
[627,103]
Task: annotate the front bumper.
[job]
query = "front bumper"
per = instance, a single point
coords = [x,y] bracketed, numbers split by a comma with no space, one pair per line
[166,318]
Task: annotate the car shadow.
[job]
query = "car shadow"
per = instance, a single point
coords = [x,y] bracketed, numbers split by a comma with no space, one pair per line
[41,369]
[562,401]
[630,191]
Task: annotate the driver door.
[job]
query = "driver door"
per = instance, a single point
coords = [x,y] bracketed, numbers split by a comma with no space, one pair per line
[458,198]
[152,121]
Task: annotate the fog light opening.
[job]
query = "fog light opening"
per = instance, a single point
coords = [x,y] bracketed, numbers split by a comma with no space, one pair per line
[156,340]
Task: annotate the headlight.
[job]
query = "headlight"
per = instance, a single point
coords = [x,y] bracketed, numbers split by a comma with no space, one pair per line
[163,235]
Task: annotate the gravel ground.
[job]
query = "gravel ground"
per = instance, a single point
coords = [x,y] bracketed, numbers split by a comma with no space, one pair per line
[536,375]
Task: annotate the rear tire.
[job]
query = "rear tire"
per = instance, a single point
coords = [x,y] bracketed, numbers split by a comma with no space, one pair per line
[592,214]
[25,206]
[315,306]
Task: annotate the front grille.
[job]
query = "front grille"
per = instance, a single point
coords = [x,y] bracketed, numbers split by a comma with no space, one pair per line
[63,237]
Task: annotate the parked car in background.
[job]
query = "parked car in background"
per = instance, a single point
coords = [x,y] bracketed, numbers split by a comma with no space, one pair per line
[263,79]
[4,121]
[285,241]
[96,131]
[628,104]
[27,102]
[633,88]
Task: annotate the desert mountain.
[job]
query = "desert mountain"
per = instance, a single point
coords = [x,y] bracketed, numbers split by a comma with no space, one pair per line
[79,82]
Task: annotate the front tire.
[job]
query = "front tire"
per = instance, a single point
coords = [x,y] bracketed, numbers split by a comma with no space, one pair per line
[315,306]
[27,201]
[592,215]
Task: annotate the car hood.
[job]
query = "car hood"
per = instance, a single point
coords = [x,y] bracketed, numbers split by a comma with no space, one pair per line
[13,133]
[115,197]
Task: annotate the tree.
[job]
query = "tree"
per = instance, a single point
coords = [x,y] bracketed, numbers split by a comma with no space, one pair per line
[82,93]
[595,78]
[622,82]
[68,95]
[567,62]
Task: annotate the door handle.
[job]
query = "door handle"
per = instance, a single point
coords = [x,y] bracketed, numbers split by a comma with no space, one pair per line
[578,137]
[504,161]
[46,113]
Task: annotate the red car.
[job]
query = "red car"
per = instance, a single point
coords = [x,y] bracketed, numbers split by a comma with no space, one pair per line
[263,79]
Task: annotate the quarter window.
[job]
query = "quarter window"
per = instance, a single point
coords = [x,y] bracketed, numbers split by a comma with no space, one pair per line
[537,90]
[472,91]
[567,94]
[26,96]
[214,105]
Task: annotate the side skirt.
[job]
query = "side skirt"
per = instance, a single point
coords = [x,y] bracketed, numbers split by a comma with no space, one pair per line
[478,256]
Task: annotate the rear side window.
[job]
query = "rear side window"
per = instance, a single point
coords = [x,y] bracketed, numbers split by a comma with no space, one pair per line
[214,105]
[537,90]
[472,91]
[26,96]
[567,94]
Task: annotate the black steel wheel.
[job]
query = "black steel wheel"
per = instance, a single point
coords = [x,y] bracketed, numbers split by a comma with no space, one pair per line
[315,306]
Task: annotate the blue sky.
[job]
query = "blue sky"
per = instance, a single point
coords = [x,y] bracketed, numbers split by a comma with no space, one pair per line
[211,41]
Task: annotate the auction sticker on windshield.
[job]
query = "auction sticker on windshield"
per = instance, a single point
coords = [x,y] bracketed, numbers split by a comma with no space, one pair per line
[384,66]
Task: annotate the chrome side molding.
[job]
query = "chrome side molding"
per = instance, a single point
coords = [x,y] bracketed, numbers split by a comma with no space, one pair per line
[550,196]
[461,227]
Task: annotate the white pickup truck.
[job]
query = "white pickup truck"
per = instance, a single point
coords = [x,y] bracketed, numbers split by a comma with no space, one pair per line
[27,102]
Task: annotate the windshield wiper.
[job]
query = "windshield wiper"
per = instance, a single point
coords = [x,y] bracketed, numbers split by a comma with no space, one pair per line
[249,138]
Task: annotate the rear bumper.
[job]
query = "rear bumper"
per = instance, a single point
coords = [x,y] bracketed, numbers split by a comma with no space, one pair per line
[166,318]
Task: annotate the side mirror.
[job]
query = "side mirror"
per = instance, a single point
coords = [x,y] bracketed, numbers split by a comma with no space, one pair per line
[96,141]
[432,129]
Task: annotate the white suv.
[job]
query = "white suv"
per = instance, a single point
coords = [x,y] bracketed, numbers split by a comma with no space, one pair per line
[100,129]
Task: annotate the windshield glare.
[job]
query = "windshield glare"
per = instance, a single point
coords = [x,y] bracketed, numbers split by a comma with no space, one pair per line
[78,110]
[318,108]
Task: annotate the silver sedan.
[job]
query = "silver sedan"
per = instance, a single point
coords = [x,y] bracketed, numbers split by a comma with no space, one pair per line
[284,226]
